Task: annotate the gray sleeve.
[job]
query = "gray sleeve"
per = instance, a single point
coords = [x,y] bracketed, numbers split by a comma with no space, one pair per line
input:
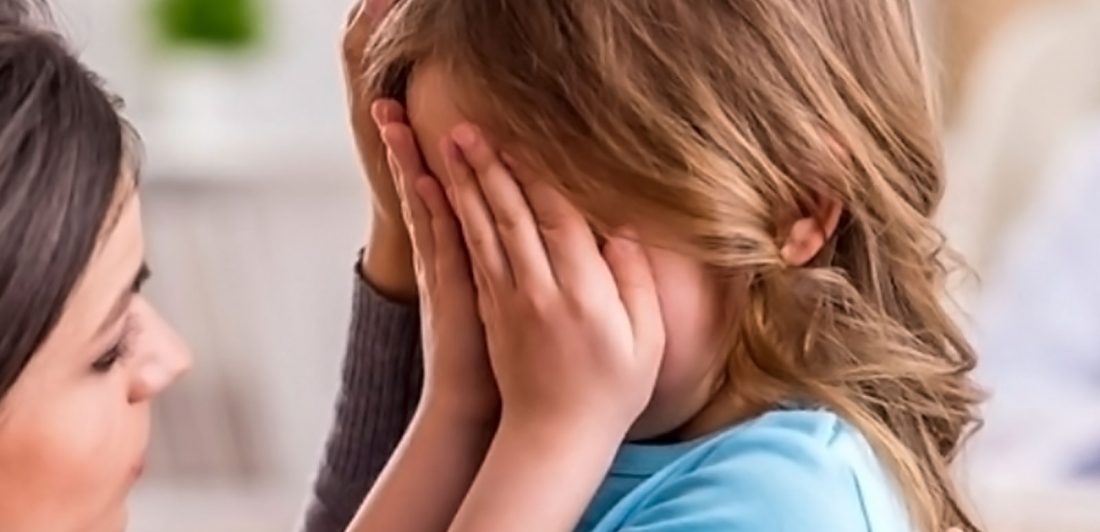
[382,377]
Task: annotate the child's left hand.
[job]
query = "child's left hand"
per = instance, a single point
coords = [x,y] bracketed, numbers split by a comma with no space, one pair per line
[575,336]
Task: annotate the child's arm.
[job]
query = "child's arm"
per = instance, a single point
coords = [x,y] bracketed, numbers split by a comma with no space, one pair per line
[537,478]
[424,483]
[382,369]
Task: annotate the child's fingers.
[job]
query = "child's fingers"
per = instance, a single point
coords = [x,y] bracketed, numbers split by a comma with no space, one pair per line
[451,262]
[364,16]
[399,138]
[413,211]
[355,13]
[386,111]
[486,254]
[633,276]
[362,19]
[570,244]
[515,223]
[374,10]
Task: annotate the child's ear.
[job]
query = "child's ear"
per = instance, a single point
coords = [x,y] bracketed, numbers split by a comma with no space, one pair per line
[808,234]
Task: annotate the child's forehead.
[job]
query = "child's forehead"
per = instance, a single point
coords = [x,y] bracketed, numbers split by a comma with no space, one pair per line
[430,93]
[432,110]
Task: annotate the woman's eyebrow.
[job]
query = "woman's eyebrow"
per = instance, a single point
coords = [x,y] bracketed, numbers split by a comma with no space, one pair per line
[124,298]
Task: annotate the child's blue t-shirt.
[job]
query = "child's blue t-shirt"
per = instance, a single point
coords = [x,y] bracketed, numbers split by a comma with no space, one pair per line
[786,471]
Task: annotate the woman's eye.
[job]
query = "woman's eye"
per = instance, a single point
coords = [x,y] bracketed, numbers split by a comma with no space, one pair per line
[104,363]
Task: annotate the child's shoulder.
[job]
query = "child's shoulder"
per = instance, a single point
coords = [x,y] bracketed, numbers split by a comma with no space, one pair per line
[802,469]
[811,440]
[785,470]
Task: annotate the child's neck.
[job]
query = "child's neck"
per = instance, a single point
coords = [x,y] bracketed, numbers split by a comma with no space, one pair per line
[725,409]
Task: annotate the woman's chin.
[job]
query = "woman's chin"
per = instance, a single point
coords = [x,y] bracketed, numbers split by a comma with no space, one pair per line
[115,520]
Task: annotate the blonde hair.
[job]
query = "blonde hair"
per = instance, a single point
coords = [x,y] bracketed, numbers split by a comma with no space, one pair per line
[718,116]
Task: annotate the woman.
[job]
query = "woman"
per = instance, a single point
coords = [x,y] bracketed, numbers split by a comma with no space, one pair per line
[82,354]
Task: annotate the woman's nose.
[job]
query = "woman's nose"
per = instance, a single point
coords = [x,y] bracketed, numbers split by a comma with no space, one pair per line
[164,356]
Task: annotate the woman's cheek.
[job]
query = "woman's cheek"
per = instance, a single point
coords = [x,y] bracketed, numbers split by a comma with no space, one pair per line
[69,458]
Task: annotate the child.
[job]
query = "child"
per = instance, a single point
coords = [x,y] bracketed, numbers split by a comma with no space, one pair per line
[775,353]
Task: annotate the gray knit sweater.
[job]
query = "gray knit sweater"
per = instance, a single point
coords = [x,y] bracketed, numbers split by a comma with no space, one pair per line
[381,382]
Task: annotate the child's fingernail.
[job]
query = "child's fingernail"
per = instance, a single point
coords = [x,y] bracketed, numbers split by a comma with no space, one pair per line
[377,112]
[628,232]
[465,136]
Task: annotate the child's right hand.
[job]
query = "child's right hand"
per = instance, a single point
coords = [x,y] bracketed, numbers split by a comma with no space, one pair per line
[575,338]
[458,378]
[387,263]
[575,333]
[363,19]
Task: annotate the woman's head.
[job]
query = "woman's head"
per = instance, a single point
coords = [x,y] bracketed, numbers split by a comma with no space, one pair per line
[81,353]
[726,128]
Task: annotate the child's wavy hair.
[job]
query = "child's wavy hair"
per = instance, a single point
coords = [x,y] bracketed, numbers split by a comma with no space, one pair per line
[718,116]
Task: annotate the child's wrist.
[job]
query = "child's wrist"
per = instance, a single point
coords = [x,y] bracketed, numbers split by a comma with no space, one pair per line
[563,433]
[387,262]
[458,415]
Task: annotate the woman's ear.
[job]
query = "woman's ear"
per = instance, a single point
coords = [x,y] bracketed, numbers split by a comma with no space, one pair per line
[808,234]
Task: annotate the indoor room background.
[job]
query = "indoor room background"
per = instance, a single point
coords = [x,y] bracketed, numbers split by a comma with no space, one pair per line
[254,206]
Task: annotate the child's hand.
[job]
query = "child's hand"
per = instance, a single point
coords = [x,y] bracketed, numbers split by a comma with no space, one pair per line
[388,261]
[575,337]
[457,375]
[363,19]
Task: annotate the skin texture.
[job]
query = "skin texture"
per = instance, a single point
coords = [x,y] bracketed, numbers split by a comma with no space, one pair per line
[75,426]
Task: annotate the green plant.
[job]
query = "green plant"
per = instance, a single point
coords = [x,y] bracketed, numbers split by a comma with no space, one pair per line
[224,24]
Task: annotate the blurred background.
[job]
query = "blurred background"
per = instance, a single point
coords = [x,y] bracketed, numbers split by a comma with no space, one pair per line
[254,210]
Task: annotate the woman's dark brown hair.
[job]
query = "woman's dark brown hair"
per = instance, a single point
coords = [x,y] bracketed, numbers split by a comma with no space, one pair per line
[62,144]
